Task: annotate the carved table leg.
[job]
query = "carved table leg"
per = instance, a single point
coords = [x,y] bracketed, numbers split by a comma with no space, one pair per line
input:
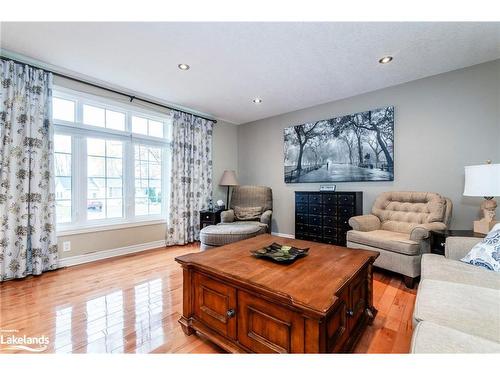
[371,311]
[187,303]
[188,330]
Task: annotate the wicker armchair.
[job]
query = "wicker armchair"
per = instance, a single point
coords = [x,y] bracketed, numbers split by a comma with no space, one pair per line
[250,196]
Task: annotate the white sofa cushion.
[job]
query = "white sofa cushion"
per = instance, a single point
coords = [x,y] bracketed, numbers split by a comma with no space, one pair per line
[429,337]
[470,309]
[437,267]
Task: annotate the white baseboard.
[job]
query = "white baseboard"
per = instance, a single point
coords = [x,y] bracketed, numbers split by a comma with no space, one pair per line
[105,254]
[286,235]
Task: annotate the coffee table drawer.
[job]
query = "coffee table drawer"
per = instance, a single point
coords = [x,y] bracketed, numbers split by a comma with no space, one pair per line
[264,327]
[215,305]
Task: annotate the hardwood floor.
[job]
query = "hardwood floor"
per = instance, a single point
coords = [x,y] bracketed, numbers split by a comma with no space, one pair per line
[131,304]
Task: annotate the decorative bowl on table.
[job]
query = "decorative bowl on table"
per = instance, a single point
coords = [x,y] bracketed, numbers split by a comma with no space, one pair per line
[280,253]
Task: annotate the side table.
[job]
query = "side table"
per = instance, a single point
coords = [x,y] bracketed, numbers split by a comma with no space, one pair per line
[438,238]
[209,218]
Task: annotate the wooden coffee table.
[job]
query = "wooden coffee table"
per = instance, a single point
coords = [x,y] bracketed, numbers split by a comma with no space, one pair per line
[319,304]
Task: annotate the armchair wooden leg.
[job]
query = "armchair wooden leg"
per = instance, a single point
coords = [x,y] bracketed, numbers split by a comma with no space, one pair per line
[409,281]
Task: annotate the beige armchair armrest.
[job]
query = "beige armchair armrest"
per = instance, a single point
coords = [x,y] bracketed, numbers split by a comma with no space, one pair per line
[423,230]
[266,219]
[227,216]
[365,223]
[458,247]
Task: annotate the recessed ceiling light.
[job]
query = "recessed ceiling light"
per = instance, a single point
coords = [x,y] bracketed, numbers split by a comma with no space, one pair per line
[385,60]
[183,66]
[257,100]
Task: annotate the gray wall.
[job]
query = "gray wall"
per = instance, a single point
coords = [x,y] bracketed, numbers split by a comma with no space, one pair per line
[442,123]
[225,155]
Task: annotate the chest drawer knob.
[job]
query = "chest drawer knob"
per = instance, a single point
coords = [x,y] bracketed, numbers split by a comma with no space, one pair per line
[230,313]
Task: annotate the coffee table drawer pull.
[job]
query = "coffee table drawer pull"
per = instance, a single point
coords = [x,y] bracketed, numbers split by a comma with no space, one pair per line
[230,313]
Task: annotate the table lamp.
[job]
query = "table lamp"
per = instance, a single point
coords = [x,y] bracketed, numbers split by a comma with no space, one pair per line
[483,181]
[228,179]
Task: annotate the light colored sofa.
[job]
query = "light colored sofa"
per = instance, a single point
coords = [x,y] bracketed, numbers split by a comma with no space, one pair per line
[457,309]
[399,228]
[231,229]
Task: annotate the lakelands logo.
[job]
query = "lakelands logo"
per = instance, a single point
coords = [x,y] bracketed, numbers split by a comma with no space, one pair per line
[11,340]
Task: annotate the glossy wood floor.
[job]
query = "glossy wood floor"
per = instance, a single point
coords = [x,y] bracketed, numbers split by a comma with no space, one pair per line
[131,304]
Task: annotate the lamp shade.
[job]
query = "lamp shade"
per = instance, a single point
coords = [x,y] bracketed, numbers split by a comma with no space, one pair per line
[482,180]
[228,179]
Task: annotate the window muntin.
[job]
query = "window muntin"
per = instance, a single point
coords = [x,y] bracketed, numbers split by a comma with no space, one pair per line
[63,177]
[103,185]
[104,179]
[148,179]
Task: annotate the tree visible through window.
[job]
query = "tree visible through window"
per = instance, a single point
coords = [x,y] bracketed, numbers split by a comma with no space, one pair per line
[148,172]
[104,179]
[62,164]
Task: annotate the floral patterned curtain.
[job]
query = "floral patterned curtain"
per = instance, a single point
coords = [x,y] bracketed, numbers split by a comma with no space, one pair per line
[27,214]
[191,177]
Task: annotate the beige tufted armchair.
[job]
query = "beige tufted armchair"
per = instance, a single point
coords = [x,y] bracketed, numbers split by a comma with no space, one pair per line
[399,229]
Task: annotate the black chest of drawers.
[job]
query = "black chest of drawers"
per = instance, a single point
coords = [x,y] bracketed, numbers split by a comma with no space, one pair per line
[324,216]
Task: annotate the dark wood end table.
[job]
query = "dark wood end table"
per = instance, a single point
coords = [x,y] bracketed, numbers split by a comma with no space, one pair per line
[209,217]
[438,238]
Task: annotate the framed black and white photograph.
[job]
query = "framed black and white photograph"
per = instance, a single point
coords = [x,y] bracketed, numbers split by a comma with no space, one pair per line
[356,147]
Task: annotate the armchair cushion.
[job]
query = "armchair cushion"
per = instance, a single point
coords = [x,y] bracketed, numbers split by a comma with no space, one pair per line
[247,213]
[227,216]
[384,239]
[422,231]
[365,223]
[252,196]
[401,211]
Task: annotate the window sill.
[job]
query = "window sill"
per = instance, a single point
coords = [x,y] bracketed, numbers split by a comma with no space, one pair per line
[106,227]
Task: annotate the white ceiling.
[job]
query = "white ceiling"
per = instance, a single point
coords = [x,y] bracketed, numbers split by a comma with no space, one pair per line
[289,65]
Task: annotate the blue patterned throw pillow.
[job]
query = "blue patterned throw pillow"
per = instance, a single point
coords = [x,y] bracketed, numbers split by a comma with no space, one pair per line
[486,253]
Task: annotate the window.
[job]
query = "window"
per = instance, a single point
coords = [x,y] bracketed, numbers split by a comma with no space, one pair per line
[109,161]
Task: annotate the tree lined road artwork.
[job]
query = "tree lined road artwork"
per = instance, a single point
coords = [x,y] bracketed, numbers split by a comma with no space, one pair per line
[355,174]
[357,147]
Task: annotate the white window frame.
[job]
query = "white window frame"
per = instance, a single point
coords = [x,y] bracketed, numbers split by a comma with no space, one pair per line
[79,133]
